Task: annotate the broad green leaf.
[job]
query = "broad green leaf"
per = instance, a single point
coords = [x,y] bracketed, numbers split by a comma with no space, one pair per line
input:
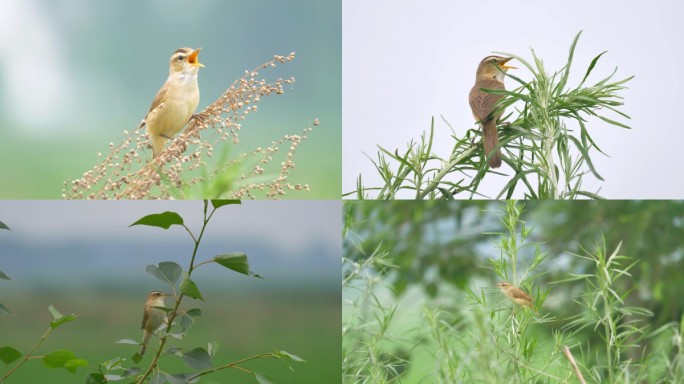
[198,359]
[3,276]
[3,226]
[167,271]
[72,365]
[262,378]
[237,261]
[58,358]
[127,341]
[4,310]
[195,312]
[136,357]
[9,354]
[220,203]
[96,378]
[161,220]
[189,288]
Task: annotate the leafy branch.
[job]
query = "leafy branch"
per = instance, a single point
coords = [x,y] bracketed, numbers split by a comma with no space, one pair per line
[547,145]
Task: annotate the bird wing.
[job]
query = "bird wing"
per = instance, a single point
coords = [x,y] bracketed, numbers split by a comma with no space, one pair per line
[520,294]
[156,103]
[481,102]
[144,318]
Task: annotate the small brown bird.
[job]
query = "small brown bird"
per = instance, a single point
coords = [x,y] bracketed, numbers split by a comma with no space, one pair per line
[517,295]
[490,75]
[153,317]
[176,101]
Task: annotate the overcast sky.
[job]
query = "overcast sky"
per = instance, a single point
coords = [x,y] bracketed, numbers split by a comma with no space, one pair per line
[81,239]
[406,62]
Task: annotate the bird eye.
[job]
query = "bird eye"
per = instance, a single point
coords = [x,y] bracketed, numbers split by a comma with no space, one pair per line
[493,61]
[180,58]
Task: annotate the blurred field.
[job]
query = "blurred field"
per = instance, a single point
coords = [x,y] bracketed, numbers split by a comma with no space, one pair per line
[302,320]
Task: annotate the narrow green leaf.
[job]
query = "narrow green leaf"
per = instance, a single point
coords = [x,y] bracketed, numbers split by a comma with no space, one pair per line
[127,341]
[72,365]
[4,310]
[287,355]
[167,271]
[9,354]
[263,378]
[3,226]
[189,288]
[591,67]
[3,276]
[58,358]
[237,261]
[220,203]
[198,359]
[161,220]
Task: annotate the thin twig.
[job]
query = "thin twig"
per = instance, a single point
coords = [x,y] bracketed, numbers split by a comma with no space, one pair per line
[568,354]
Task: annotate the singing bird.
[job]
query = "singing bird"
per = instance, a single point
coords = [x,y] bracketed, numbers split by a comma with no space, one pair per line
[176,101]
[490,75]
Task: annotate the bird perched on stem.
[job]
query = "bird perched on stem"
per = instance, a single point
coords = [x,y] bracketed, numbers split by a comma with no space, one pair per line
[153,317]
[176,101]
[490,75]
[517,295]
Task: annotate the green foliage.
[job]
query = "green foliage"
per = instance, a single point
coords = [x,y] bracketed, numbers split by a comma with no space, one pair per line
[434,329]
[179,321]
[547,145]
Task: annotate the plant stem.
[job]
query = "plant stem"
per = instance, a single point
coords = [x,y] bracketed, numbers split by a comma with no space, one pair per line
[28,355]
[233,365]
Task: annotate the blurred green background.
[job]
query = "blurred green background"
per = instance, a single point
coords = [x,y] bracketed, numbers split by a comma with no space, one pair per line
[82,258]
[75,75]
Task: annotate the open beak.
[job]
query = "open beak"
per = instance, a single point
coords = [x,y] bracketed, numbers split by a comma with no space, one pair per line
[503,62]
[192,59]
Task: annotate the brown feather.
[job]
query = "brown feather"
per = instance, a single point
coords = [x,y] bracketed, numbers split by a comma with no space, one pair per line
[482,105]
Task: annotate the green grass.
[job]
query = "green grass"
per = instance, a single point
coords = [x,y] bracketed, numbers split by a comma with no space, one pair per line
[301,321]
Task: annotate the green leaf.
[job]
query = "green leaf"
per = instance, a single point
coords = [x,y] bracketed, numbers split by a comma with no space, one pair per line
[167,271]
[9,354]
[58,358]
[287,355]
[3,276]
[72,365]
[220,203]
[189,288]
[237,261]
[3,226]
[136,358]
[262,378]
[161,220]
[198,359]
[96,378]
[127,341]
[4,310]
[212,348]
[195,312]
[60,319]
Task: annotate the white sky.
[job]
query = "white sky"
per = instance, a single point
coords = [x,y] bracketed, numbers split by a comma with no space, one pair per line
[405,62]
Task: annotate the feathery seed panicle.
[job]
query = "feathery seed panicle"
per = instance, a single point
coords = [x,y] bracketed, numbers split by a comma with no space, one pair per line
[124,173]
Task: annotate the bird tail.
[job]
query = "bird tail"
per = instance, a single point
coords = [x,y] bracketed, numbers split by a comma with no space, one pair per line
[491,141]
[146,339]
